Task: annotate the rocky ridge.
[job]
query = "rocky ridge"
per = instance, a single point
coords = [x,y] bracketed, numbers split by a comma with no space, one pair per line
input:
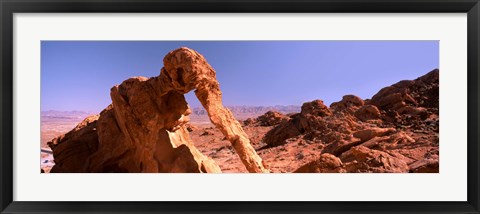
[352,135]
[147,129]
[395,131]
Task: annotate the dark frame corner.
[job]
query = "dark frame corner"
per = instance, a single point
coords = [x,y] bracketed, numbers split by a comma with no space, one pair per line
[9,7]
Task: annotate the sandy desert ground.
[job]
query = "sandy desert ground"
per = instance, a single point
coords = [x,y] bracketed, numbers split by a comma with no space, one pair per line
[207,138]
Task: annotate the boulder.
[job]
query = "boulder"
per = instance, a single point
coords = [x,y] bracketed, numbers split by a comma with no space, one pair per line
[272,118]
[388,142]
[82,142]
[249,122]
[279,134]
[360,159]
[327,163]
[425,166]
[349,103]
[340,146]
[315,122]
[368,112]
[316,108]
[367,134]
[421,92]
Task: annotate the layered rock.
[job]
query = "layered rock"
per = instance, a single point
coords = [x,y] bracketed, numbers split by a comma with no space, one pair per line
[349,103]
[317,122]
[362,159]
[421,92]
[315,108]
[144,129]
[367,112]
[327,163]
[425,166]
[270,118]
[394,131]
[82,142]
[339,146]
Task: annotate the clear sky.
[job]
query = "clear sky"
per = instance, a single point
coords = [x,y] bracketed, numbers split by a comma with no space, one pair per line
[78,75]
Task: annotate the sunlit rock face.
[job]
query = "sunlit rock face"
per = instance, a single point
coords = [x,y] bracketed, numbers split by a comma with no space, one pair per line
[394,131]
[145,127]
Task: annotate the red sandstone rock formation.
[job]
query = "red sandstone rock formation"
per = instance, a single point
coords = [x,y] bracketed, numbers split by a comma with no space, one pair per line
[83,142]
[367,112]
[270,118]
[421,92]
[349,103]
[144,129]
[327,163]
[315,121]
[316,108]
[362,159]
[395,131]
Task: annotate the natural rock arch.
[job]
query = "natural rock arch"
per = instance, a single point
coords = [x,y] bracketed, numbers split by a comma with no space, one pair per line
[143,130]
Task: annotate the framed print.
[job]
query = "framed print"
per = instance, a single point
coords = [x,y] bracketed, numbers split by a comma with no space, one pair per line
[263,107]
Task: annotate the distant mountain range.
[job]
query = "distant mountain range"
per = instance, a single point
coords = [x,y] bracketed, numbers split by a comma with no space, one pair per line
[197,111]
[255,110]
[65,114]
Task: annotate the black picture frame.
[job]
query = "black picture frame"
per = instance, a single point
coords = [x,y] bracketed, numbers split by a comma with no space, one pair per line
[9,7]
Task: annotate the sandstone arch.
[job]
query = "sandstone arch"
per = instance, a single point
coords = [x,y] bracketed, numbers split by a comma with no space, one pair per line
[143,130]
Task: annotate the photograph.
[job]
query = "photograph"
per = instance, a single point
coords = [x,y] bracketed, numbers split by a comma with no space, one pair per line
[267,106]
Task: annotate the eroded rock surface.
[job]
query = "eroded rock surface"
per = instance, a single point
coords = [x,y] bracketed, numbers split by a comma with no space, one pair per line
[395,131]
[362,159]
[145,128]
[270,118]
[327,163]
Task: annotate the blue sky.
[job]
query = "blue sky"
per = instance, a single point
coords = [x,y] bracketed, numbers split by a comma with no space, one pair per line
[78,75]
